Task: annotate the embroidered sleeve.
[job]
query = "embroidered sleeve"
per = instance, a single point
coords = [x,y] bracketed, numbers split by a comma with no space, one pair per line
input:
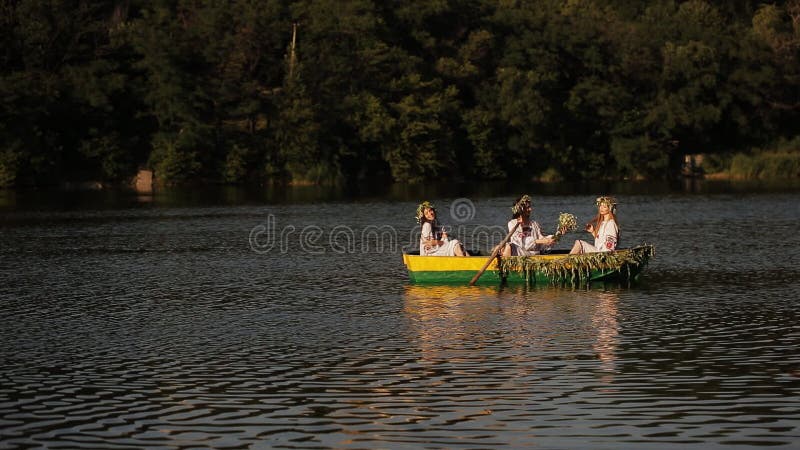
[611,236]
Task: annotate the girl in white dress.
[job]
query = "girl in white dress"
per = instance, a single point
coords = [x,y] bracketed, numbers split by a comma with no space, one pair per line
[433,241]
[527,239]
[604,228]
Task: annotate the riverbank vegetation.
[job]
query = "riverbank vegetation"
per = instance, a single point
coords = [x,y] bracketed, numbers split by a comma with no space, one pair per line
[780,161]
[316,91]
[767,165]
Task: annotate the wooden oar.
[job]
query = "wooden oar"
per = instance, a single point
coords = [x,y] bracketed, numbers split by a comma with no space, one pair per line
[497,249]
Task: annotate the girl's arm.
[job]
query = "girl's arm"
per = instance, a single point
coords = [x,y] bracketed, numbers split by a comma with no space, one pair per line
[427,234]
[538,237]
[609,236]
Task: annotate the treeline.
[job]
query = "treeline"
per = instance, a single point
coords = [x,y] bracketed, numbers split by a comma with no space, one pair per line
[345,90]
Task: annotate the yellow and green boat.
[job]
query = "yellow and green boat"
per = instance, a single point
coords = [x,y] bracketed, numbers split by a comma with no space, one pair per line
[621,265]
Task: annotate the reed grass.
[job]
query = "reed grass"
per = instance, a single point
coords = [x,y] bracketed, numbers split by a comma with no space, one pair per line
[781,164]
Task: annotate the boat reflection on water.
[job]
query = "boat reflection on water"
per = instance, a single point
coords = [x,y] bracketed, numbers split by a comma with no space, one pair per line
[605,321]
[531,327]
[442,317]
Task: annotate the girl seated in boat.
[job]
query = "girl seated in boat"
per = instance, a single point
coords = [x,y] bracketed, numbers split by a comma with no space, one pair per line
[527,239]
[433,240]
[604,228]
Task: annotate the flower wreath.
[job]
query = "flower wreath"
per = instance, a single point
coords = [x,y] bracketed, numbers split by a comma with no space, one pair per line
[521,204]
[421,210]
[607,200]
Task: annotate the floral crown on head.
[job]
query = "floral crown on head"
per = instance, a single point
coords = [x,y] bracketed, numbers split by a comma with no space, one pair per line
[421,209]
[518,207]
[610,201]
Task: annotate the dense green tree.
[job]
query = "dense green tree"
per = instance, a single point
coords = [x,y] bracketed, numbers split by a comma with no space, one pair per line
[594,94]
[212,89]
[681,89]
[771,73]
[531,87]
[423,145]
[59,80]
[318,91]
[343,65]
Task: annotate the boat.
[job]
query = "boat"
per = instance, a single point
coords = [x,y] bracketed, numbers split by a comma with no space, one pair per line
[556,267]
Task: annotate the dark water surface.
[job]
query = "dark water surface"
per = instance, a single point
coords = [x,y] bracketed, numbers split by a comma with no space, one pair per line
[236,321]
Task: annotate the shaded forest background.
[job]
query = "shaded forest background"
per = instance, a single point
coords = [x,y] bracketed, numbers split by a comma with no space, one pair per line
[215,91]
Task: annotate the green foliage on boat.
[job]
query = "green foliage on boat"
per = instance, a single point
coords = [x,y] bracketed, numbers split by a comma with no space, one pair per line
[625,264]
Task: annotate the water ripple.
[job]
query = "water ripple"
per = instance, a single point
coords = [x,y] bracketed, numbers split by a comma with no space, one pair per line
[126,331]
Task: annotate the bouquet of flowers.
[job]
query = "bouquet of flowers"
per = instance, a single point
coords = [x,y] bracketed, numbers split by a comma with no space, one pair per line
[566,223]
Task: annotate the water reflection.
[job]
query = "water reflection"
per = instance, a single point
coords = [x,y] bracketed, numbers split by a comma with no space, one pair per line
[606,323]
[520,321]
[64,199]
[160,327]
[441,316]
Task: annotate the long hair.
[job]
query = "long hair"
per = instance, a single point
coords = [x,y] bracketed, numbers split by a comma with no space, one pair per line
[435,226]
[598,219]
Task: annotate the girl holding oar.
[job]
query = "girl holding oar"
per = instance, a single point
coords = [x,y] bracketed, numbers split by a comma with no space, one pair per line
[528,239]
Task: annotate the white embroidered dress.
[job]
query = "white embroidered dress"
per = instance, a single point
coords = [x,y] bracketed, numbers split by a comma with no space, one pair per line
[429,232]
[606,240]
[523,241]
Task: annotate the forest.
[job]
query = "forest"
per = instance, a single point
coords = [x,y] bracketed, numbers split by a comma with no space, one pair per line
[340,91]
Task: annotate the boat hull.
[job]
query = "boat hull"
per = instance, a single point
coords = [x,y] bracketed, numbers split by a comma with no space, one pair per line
[621,265]
[449,269]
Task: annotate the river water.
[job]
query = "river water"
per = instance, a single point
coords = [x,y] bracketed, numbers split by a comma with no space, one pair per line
[286,320]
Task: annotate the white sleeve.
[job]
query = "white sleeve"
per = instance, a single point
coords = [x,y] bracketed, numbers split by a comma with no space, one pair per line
[609,236]
[536,233]
[539,235]
[427,231]
[515,237]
